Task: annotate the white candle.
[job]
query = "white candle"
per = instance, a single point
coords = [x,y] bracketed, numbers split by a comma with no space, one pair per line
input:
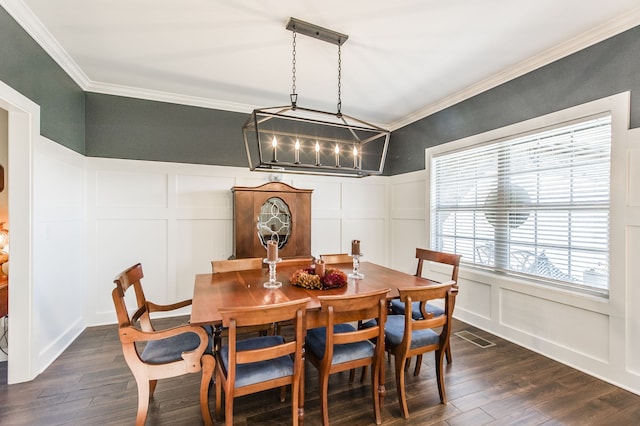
[297,152]
[337,151]
[355,157]
[317,153]
[274,144]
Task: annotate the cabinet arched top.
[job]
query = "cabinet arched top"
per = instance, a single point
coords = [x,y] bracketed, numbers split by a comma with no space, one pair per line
[271,187]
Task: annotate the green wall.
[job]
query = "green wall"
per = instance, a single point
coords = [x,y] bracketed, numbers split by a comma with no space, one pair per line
[118,127]
[605,69]
[136,129]
[28,69]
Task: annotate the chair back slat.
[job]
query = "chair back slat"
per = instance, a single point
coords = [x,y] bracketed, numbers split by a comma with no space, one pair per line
[252,315]
[229,265]
[336,258]
[438,257]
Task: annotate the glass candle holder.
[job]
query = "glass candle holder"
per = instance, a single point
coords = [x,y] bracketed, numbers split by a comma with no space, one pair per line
[272,283]
[356,267]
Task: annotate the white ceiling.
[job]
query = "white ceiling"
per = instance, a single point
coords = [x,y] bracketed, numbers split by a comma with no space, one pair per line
[404,58]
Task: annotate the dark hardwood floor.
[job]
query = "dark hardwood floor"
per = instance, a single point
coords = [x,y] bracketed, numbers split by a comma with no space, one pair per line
[505,384]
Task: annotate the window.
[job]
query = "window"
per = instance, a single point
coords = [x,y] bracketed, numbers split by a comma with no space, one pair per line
[534,205]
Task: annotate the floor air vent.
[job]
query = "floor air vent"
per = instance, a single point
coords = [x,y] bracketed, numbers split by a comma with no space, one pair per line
[476,340]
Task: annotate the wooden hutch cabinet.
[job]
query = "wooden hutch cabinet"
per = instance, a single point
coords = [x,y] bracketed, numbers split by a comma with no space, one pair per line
[274,210]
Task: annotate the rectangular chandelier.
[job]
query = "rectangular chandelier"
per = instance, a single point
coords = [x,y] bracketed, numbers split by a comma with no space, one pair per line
[301,140]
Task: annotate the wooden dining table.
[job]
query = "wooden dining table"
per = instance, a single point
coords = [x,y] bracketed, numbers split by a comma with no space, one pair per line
[245,288]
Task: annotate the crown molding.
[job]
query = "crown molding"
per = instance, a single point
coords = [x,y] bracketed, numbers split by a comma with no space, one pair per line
[34,27]
[597,34]
[174,98]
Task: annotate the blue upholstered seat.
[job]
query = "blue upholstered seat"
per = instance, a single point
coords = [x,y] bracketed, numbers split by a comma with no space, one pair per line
[170,349]
[394,330]
[255,372]
[316,342]
[397,307]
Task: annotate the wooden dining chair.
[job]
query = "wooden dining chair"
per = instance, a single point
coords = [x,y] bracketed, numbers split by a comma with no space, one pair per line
[420,309]
[167,353]
[406,337]
[340,346]
[232,265]
[229,265]
[336,258]
[252,365]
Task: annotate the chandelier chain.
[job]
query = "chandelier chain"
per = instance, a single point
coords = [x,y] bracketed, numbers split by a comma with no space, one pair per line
[339,81]
[293,65]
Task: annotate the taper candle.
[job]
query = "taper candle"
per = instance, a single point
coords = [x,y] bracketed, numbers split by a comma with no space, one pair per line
[337,151]
[274,144]
[297,152]
[317,153]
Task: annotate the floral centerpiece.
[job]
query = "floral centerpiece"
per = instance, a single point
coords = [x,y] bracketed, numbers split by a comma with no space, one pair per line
[307,278]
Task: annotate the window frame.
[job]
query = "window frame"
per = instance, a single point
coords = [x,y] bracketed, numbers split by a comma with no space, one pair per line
[618,107]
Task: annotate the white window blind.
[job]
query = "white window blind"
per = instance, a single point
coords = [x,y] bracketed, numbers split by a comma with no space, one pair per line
[534,205]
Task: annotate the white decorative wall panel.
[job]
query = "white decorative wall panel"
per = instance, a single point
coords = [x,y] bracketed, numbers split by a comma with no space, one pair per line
[364,200]
[326,236]
[130,189]
[474,297]
[408,198]
[326,199]
[406,235]
[633,301]
[124,242]
[579,330]
[198,242]
[634,178]
[205,192]
[370,232]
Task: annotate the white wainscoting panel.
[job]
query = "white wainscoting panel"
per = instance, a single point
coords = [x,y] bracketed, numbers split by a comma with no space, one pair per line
[579,330]
[326,236]
[208,192]
[131,189]
[634,178]
[124,242]
[406,235]
[407,211]
[474,298]
[370,232]
[198,242]
[632,339]
[59,285]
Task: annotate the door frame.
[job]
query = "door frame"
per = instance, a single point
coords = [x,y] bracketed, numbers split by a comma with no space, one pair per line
[24,127]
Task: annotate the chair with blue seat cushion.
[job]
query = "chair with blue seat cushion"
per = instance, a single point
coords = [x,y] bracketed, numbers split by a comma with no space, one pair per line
[406,337]
[167,353]
[420,309]
[339,346]
[252,365]
[235,265]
